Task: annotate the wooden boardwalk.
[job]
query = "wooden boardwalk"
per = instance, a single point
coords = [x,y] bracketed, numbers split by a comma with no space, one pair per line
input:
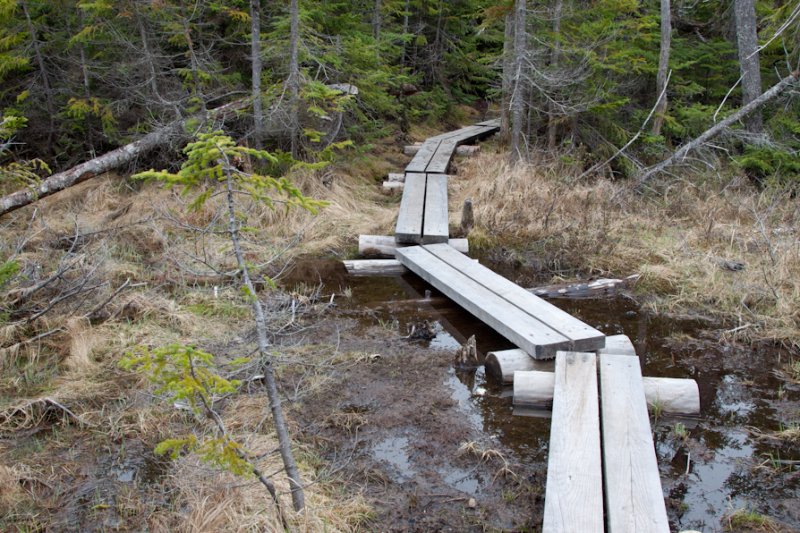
[602,468]
[423,209]
[536,326]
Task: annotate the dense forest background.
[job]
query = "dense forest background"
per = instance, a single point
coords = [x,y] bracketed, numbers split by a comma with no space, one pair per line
[577,79]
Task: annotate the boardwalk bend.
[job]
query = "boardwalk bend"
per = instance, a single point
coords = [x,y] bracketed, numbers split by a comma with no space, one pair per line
[602,466]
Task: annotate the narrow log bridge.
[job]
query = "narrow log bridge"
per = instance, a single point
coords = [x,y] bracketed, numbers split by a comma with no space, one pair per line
[602,466]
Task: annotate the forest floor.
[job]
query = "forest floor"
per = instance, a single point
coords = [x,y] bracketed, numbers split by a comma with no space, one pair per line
[385,429]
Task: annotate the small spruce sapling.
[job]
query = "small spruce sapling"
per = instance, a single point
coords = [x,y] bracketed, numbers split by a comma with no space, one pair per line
[187,375]
[209,162]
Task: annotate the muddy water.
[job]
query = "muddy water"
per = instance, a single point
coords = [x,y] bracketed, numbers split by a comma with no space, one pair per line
[709,466]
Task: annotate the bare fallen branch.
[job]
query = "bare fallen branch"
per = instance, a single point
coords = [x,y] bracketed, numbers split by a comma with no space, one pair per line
[32,413]
[710,133]
[104,163]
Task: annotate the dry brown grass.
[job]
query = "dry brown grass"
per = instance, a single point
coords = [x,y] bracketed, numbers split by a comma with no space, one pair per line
[679,241]
[143,234]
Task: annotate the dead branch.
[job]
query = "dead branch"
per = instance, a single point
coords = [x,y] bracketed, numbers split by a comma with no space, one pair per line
[111,160]
[32,413]
[715,130]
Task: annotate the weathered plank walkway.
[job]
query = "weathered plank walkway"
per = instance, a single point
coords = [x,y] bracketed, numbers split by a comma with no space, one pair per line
[602,468]
[534,325]
[423,209]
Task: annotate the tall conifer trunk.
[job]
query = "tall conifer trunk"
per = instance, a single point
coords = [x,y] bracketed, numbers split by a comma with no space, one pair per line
[256,68]
[508,76]
[518,145]
[663,67]
[555,57]
[749,65]
[294,76]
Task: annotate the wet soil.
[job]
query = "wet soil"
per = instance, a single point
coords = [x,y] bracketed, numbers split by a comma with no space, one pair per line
[401,425]
[395,423]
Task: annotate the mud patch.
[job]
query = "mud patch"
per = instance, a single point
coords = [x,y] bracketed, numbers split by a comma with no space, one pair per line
[420,452]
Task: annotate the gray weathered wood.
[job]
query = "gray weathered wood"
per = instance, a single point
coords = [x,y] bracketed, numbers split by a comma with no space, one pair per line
[374,267]
[618,345]
[423,157]
[393,185]
[384,267]
[385,245]
[470,149]
[574,492]
[635,501]
[396,176]
[409,220]
[534,388]
[466,134]
[493,123]
[672,395]
[435,224]
[503,363]
[441,159]
[582,337]
[461,132]
[514,324]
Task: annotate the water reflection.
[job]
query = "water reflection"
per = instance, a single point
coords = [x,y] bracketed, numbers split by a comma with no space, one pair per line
[707,472]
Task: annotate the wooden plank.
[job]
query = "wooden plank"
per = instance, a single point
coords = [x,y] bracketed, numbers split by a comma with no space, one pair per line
[635,501]
[423,157]
[434,224]
[469,132]
[581,336]
[409,221]
[385,245]
[472,134]
[441,159]
[574,493]
[511,322]
[494,123]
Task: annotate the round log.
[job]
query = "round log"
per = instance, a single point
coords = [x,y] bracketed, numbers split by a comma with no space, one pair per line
[667,395]
[412,149]
[385,245]
[393,185]
[534,388]
[502,364]
[468,149]
[396,176]
[672,395]
[618,345]
[374,267]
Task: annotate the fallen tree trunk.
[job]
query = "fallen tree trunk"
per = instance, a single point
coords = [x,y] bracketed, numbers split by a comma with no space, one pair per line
[592,289]
[106,162]
[710,133]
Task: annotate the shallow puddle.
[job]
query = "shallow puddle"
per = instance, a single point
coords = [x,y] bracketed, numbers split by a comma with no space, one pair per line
[710,466]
